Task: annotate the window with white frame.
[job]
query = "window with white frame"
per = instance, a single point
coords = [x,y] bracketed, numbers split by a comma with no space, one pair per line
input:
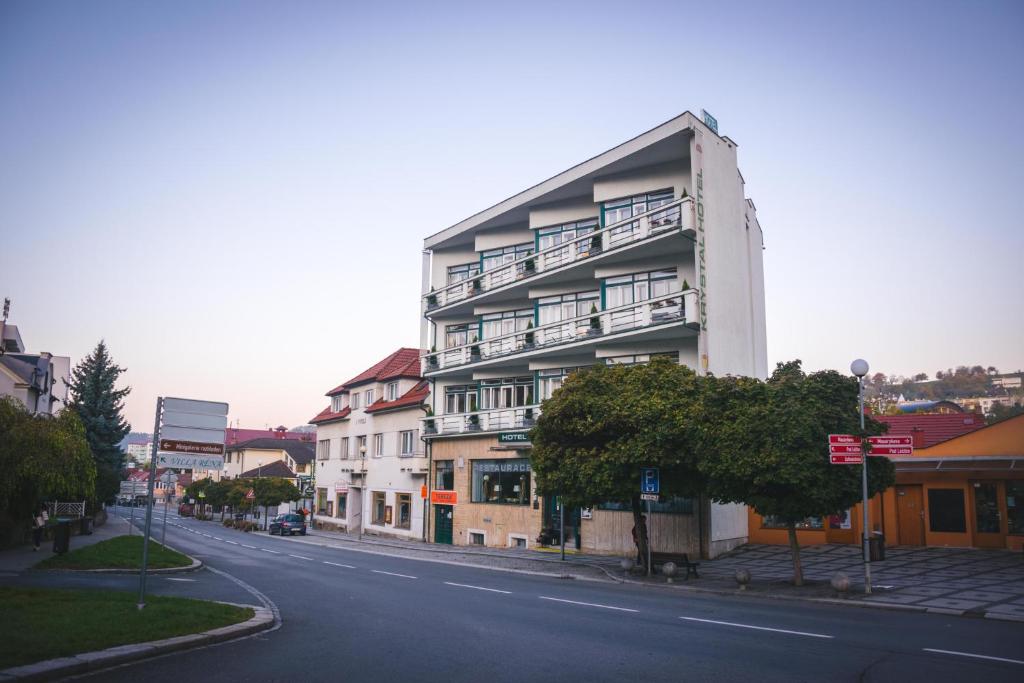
[392,391]
[506,322]
[343,451]
[369,397]
[407,442]
[338,403]
[550,380]
[361,446]
[323,449]
[628,289]
[463,272]
[355,401]
[459,335]
[460,398]
[557,234]
[498,257]
[618,210]
[510,392]
[641,358]
[378,445]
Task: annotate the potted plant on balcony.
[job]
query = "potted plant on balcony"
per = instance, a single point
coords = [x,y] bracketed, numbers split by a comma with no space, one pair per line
[595,321]
[474,351]
[595,245]
[429,426]
[528,420]
[529,267]
[432,358]
[431,299]
[478,286]
[528,338]
[686,285]
[473,424]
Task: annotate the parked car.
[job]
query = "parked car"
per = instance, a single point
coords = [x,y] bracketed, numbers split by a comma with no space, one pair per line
[289,523]
[185,510]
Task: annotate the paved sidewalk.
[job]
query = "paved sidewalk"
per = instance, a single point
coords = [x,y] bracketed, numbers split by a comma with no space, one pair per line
[21,558]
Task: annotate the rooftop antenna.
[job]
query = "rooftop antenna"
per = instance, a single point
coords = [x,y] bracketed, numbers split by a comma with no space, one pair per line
[3,323]
[7,307]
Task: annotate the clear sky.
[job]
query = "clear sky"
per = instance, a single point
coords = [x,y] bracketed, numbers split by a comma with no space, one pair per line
[234,194]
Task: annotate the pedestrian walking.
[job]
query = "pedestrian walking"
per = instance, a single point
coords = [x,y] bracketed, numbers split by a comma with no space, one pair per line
[639,529]
[39,526]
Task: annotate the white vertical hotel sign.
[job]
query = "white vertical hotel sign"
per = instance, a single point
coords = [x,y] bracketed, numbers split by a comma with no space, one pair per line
[192,434]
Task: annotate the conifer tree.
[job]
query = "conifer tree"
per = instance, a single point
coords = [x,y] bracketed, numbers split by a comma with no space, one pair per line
[99,405]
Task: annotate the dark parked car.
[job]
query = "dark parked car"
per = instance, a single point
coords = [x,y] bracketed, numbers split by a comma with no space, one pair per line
[290,524]
[185,510]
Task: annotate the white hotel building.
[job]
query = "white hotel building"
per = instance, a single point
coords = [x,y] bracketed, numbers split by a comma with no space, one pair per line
[649,248]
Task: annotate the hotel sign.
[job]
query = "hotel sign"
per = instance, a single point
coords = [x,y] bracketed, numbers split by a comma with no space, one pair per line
[513,437]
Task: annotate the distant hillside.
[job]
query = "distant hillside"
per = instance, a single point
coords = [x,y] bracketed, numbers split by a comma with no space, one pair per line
[951,384]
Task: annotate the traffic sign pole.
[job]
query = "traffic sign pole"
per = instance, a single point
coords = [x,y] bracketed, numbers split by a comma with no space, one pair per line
[149,506]
[864,489]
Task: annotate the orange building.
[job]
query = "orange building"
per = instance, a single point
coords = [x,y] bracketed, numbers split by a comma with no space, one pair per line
[963,491]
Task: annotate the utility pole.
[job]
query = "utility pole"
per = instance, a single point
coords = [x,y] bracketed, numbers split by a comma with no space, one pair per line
[149,504]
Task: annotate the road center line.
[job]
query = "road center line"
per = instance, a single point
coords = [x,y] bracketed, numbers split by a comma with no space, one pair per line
[404,576]
[301,557]
[479,588]
[270,551]
[969,654]
[217,538]
[250,547]
[172,578]
[338,564]
[231,542]
[759,628]
[588,604]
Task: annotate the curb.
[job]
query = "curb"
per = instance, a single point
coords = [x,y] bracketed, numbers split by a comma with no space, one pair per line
[50,669]
[196,565]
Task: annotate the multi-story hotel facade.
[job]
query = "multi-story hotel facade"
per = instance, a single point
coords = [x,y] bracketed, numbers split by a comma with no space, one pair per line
[650,248]
[371,469]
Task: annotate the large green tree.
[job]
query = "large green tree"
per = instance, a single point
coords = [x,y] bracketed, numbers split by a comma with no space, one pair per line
[605,423]
[766,445]
[42,459]
[99,405]
[272,491]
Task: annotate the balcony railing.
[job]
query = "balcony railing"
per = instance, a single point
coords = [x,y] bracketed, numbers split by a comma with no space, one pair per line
[494,420]
[659,310]
[677,215]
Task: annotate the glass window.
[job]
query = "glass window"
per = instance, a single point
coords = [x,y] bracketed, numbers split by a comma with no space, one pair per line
[361,446]
[618,210]
[510,392]
[641,358]
[494,258]
[444,475]
[463,272]
[378,445]
[330,508]
[337,403]
[343,451]
[476,538]
[460,399]
[776,522]
[321,501]
[553,309]
[946,510]
[378,507]
[1015,507]
[404,504]
[507,322]
[550,380]
[459,335]
[630,289]
[341,506]
[392,392]
[501,481]
[323,449]
[369,397]
[558,234]
[355,401]
[407,442]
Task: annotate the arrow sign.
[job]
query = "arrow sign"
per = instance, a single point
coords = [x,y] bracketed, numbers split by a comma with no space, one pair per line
[834,449]
[845,459]
[891,450]
[844,439]
[891,440]
[250,495]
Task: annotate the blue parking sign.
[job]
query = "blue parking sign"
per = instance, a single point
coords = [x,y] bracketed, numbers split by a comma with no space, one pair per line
[649,480]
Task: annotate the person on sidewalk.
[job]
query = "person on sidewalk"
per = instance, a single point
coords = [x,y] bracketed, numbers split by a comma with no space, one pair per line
[640,559]
[38,526]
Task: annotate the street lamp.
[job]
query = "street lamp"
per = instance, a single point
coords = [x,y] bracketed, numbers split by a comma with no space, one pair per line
[259,475]
[860,368]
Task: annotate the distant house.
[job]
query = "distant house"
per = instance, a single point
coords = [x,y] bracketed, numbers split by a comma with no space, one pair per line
[37,380]
[939,407]
[235,461]
[255,457]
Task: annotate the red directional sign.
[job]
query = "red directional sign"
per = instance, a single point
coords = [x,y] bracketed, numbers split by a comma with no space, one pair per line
[891,445]
[834,449]
[844,439]
[838,459]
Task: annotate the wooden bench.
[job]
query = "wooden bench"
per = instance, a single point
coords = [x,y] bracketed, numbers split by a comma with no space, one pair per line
[681,560]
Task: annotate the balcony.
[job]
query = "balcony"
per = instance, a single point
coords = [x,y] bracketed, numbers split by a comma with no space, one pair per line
[674,308]
[481,421]
[676,217]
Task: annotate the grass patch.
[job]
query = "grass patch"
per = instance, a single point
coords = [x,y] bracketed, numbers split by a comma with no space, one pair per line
[120,552]
[41,623]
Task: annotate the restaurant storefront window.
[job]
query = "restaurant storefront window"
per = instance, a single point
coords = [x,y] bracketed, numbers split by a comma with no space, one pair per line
[505,482]
[1015,507]
[444,475]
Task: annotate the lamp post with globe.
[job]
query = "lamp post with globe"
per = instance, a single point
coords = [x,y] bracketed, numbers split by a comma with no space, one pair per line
[859,368]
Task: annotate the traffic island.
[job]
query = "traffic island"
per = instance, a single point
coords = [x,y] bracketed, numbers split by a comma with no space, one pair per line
[50,633]
[122,554]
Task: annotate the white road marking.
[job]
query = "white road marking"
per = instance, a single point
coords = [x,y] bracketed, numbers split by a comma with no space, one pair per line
[171,578]
[270,551]
[250,547]
[207,535]
[338,564]
[404,576]
[301,557]
[479,588]
[217,538]
[231,542]
[969,654]
[759,628]
[588,604]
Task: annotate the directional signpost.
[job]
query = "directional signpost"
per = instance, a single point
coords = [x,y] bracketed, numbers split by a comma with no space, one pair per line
[650,488]
[187,434]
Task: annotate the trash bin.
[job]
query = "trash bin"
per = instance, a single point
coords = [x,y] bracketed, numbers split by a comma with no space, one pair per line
[86,526]
[876,546]
[62,536]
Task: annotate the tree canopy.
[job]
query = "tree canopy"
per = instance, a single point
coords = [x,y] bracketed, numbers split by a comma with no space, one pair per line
[99,405]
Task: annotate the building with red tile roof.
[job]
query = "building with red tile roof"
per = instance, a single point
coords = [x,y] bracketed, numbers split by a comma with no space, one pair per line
[928,429]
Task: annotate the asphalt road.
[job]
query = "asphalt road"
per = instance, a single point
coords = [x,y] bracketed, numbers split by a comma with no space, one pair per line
[357,616]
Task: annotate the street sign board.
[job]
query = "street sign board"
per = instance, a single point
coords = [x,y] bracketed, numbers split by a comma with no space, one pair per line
[649,496]
[513,437]
[308,492]
[839,459]
[649,480]
[444,497]
[197,434]
[188,461]
[844,439]
[194,447]
[834,448]
[189,405]
[891,445]
[250,494]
